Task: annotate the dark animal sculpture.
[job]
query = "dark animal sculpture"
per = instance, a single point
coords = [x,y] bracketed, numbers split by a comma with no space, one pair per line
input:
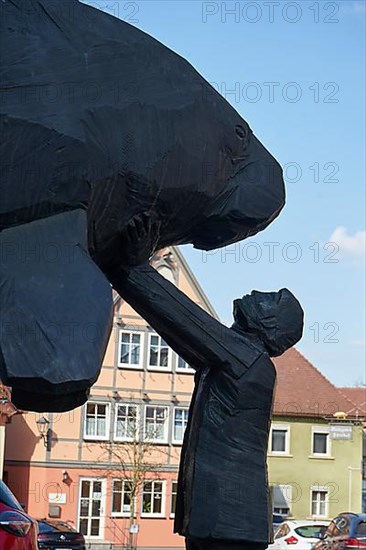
[101,123]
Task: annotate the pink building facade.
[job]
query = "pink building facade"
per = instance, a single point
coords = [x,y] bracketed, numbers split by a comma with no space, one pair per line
[77,475]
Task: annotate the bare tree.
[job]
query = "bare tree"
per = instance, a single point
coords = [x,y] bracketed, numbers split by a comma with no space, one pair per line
[135,457]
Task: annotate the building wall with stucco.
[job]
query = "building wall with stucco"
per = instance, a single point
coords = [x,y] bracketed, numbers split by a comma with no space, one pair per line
[76,478]
[317,485]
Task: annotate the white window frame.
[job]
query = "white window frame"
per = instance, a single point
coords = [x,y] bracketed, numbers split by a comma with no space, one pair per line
[163,497]
[168,368]
[166,425]
[282,427]
[319,489]
[174,440]
[107,424]
[172,513]
[121,514]
[141,359]
[324,431]
[135,406]
[103,504]
[185,370]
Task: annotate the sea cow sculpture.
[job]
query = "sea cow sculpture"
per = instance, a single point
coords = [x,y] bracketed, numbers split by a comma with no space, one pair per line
[101,123]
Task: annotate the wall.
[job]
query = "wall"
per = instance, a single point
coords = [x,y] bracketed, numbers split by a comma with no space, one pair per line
[340,472]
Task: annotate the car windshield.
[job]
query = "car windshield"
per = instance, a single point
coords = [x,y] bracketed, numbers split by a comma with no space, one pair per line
[45,527]
[310,531]
[361,529]
[7,497]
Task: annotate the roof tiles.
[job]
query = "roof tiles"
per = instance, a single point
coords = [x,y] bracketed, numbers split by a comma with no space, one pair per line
[302,390]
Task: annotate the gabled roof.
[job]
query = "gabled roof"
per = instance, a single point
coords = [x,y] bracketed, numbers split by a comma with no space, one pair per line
[304,391]
[183,265]
[358,397]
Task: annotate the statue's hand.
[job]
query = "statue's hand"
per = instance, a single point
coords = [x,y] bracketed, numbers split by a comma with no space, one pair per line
[130,247]
[139,240]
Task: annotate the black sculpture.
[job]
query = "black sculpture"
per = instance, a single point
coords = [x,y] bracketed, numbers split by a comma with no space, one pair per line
[100,123]
[223,497]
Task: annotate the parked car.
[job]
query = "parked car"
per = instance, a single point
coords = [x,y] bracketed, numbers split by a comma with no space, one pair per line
[17,530]
[302,535]
[58,535]
[345,532]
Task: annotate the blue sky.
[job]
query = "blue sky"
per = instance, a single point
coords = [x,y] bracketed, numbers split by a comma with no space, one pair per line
[295,72]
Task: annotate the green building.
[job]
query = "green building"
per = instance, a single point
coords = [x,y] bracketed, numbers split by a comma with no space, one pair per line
[315,447]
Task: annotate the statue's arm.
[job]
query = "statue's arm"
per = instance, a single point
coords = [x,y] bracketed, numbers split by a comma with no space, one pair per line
[191,332]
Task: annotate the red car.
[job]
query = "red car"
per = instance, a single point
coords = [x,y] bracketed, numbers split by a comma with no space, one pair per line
[17,530]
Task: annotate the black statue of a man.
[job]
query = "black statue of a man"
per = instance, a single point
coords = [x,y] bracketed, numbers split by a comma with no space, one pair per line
[223,497]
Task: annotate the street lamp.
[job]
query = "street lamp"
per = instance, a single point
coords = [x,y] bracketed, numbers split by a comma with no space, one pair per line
[44,431]
[175,399]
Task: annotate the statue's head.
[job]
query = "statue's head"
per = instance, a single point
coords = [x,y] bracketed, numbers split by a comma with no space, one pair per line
[276,318]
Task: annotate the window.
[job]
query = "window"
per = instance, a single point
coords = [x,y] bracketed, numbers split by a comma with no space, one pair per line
[156,425]
[126,427]
[180,424]
[96,421]
[173,498]
[183,366]
[319,502]
[152,499]
[310,531]
[320,441]
[283,510]
[121,497]
[159,353]
[279,441]
[282,498]
[282,531]
[130,349]
[91,504]
[168,273]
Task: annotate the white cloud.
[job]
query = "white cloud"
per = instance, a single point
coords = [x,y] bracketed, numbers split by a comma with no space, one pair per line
[352,247]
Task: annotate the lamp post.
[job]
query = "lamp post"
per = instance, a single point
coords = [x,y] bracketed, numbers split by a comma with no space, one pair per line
[44,431]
